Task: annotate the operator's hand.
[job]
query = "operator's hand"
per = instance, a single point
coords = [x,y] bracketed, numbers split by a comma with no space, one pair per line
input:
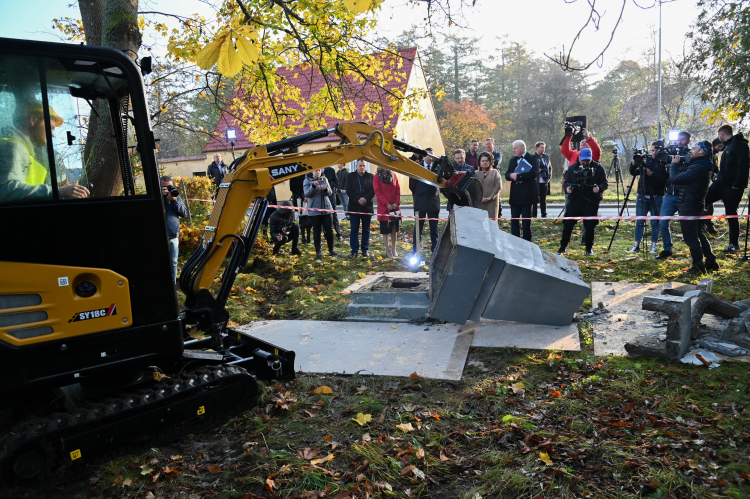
[649,172]
[595,189]
[362,201]
[343,192]
[676,159]
[513,176]
[569,190]
[585,133]
[74,191]
[164,191]
[279,237]
[485,200]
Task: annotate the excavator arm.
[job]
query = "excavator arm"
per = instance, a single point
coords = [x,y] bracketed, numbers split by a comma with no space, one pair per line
[250,180]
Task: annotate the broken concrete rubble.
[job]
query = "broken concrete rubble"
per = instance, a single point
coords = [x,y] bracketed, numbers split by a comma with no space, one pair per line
[677,340]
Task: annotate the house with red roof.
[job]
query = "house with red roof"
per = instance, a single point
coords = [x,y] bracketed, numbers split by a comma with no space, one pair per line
[424,132]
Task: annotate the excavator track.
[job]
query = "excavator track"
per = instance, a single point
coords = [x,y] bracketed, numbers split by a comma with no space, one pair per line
[52,450]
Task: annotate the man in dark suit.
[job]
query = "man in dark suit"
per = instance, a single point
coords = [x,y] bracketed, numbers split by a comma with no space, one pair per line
[361,192]
[524,191]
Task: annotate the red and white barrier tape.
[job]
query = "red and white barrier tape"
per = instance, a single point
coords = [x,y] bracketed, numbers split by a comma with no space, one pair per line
[412,217]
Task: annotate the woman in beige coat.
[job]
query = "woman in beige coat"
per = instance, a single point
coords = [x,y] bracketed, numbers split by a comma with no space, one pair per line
[491,184]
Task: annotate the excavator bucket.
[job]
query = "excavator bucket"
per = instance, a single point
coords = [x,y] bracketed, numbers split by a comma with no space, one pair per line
[463,189]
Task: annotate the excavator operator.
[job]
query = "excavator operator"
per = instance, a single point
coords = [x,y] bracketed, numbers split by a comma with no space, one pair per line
[24,170]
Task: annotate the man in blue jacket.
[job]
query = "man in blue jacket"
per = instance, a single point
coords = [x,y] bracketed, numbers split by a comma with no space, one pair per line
[175,209]
[691,186]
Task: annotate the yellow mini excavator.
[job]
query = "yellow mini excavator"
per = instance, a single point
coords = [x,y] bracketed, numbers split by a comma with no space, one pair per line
[88,308]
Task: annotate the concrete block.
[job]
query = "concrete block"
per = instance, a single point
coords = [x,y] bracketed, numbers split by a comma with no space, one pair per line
[460,264]
[677,338]
[722,347]
[389,298]
[509,278]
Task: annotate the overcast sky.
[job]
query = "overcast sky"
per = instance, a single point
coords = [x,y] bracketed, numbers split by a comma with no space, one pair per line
[544,25]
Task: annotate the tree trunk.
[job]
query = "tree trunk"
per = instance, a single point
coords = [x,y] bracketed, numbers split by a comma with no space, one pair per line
[111,23]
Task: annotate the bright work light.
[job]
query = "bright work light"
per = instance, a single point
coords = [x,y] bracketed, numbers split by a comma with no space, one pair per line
[673,135]
[231,134]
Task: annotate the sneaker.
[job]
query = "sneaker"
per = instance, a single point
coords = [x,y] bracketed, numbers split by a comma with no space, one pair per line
[582,243]
[713,266]
[296,252]
[732,248]
[663,255]
[365,254]
[318,255]
[353,255]
[561,251]
[589,252]
[653,249]
[694,270]
[333,252]
[339,238]
[635,249]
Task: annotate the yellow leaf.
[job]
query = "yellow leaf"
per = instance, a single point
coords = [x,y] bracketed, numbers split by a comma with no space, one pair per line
[518,387]
[295,278]
[322,459]
[209,54]
[247,32]
[357,6]
[361,275]
[229,61]
[543,456]
[405,427]
[247,50]
[322,389]
[362,419]
[394,327]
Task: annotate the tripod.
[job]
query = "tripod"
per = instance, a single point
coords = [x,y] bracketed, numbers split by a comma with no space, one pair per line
[625,202]
[618,175]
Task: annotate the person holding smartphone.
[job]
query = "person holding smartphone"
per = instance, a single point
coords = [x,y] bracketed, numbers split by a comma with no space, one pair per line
[318,192]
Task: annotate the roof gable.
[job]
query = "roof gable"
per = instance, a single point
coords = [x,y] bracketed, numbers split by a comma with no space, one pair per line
[309,82]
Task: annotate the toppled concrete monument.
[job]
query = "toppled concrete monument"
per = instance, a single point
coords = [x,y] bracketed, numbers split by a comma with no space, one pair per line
[479,271]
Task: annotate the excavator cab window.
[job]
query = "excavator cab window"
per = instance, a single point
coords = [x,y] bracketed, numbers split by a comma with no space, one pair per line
[65,130]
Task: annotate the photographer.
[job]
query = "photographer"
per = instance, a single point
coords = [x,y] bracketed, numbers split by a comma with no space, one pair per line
[653,175]
[318,192]
[175,209]
[669,201]
[690,183]
[283,229]
[731,181]
[585,183]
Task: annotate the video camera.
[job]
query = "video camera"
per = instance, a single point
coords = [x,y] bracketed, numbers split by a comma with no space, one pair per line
[582,175]
[574,125]
[675,150]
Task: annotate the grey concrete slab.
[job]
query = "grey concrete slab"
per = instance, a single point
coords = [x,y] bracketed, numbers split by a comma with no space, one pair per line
[677,341]
[497,334]
[387,349]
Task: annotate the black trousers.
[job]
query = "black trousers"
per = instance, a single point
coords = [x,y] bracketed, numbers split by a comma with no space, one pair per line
[293,236]
[542,201]
[335,216]
[326,223]
[731,198]
[433,229]
[697,242]
[521,211]
[579,209]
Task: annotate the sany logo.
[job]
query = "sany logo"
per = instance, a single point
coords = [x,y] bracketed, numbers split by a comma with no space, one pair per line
[94,314]
[284,170]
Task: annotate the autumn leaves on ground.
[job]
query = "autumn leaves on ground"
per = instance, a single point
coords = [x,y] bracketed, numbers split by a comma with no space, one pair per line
[520,423]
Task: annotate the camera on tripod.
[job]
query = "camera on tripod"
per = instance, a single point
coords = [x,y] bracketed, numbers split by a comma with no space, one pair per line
[615,150]
[575,125]
[582,174]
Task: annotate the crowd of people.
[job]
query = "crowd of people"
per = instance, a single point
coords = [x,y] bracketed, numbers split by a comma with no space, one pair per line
[686,183]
